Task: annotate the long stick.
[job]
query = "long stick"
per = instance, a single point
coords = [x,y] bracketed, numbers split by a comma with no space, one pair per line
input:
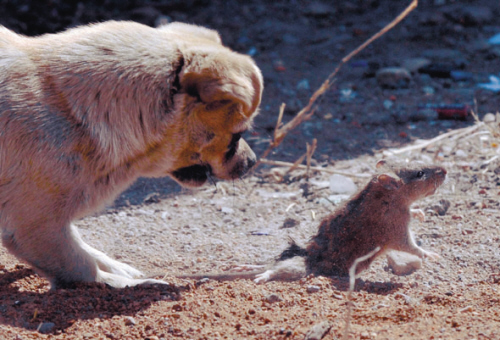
[306,112]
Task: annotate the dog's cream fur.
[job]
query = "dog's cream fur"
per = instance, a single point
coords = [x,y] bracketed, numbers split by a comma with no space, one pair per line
[85,112]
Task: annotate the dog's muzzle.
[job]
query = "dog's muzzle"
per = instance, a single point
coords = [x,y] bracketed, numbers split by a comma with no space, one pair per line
[194,174]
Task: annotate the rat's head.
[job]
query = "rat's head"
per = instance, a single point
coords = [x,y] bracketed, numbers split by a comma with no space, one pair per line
[417,180]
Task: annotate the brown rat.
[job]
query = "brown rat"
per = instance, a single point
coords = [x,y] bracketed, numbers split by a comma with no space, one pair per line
[377,216]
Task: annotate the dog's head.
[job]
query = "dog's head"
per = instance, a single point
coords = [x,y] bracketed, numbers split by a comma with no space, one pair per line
[218,95]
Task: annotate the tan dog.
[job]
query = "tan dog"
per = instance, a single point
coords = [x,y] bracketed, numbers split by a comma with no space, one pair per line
[84,113]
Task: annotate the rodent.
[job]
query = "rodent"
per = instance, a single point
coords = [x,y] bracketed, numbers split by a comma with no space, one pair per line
[377,216]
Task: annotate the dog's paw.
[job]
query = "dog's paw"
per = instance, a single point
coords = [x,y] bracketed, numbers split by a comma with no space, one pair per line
[123,269]
[118,281]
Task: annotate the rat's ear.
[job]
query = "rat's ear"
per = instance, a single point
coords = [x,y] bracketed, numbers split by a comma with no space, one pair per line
[218,79]
[388,182]
[381,163]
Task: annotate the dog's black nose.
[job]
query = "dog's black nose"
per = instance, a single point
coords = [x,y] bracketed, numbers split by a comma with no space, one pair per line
[251,161]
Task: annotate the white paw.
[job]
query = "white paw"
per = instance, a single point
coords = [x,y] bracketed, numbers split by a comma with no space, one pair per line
[431,255]
[118,281]
[122,269]
[264,277]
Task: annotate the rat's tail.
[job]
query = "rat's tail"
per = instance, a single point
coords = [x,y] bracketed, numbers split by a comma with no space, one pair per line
[293,250]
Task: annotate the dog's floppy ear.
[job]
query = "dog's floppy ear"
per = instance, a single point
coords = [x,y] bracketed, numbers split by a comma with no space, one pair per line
[218,78]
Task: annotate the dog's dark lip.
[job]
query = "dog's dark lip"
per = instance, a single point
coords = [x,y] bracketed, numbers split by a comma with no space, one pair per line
[193,175]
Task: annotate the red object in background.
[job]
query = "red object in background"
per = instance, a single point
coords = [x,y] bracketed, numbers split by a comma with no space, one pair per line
[453,111]
[403,134]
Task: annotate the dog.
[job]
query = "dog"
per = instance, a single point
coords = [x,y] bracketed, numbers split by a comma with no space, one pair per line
[85,112]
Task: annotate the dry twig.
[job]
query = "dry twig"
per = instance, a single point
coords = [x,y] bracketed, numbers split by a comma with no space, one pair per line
[315,168]
[306,112]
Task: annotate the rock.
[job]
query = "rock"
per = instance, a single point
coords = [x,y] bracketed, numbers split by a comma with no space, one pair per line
[319,9]
[461,154]
[388,104]
[458,75]
[393,77]
[440,208]
[129,321]
[414,64]
[313,289]
[403,263]
[489,118]
[290,223]
[272,298]
[303,85]
[46,327]
[494,40]
[318,331]
[227,210]
[342,185]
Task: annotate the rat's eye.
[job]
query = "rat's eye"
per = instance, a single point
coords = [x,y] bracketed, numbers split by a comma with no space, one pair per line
[420,174]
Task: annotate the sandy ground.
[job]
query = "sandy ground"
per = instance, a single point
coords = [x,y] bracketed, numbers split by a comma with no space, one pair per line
[167,231]
[218,228]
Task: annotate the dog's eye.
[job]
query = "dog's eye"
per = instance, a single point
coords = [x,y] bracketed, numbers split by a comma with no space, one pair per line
[233,144]
[193,92]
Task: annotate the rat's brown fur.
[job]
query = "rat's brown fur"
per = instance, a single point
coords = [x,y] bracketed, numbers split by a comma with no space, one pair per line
[378,216]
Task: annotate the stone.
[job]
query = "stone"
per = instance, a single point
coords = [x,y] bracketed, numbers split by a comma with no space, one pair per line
[313,289]
[414,64]
[319,9]
[46,327]
[342,185]
[489,118]
[393,77]
[227,210]
[272,298]
[318,331]
[129,321]
[403,263]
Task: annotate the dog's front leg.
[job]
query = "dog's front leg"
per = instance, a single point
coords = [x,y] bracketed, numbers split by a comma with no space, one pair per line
[64,258]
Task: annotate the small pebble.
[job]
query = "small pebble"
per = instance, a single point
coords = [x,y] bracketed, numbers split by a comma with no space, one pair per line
[303,85]
[129,321]
[46,327]
[342,185]
[318,331]
[393,77]
[272,298]
[461,154]
[313,289]
[489,118]
[227,210]
[403,263]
